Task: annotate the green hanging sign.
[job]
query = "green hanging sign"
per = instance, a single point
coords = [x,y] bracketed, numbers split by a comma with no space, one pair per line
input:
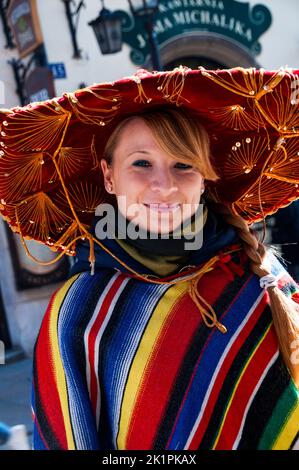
[241,22]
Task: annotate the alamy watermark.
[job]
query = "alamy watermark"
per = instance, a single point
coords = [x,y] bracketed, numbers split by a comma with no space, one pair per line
[105,227]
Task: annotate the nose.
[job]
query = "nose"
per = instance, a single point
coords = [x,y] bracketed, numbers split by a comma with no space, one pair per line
[163,182]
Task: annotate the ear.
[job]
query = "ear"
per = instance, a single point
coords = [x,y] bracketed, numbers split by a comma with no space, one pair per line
[106,169]
[108,178]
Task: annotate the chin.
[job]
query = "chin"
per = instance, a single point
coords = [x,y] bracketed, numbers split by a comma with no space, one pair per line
[161,228]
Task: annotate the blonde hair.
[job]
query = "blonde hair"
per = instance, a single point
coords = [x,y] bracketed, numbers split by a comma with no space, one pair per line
[185,139]
[177,134]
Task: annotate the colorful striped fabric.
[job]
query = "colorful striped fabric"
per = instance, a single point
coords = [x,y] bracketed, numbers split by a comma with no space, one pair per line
[124,364]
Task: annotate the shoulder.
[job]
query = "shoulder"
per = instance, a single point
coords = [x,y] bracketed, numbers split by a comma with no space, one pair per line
[74,292]
[83,285]
[286,283]
[290,288]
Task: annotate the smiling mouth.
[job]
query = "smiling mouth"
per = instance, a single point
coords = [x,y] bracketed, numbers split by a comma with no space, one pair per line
[163,207]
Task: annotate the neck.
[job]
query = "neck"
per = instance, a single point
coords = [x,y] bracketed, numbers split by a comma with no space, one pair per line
[172,243]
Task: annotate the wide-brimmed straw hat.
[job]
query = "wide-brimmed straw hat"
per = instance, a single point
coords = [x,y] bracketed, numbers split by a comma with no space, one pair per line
[50,175]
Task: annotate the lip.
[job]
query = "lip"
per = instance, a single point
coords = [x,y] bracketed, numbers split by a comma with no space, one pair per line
[162,207]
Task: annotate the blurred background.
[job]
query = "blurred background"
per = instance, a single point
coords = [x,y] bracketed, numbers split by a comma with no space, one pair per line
[48,47]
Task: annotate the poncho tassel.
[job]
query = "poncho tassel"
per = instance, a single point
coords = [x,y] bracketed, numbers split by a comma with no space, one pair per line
[209,317]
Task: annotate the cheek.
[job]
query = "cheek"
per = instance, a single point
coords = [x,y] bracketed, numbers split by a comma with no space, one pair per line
[131,183]
[192,184]
[130,186]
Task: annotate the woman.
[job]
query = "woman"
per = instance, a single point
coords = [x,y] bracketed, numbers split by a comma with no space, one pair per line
[168,347]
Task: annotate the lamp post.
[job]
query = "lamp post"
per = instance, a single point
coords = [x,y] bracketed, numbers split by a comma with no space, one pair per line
[108,30]
[6,29]
[70,14]
[146,9]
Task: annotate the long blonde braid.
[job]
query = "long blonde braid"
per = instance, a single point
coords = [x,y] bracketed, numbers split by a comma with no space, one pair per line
[285,312]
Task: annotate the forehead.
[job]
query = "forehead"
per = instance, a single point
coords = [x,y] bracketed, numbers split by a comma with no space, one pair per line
[135,133]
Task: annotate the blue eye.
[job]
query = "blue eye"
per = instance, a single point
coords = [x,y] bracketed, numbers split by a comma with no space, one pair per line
[185,166]
[140,161]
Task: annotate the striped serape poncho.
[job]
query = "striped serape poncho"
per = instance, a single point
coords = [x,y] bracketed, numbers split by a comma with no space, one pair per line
[120,363]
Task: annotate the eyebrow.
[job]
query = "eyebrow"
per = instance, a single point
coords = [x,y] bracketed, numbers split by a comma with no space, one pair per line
[139,151]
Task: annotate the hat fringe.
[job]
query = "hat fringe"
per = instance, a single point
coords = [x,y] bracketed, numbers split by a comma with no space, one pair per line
[250,89]
[177,87]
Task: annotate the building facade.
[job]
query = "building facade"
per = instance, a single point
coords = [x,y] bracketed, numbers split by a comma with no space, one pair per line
[209,33]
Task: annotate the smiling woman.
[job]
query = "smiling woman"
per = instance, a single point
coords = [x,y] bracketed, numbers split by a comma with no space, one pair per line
[159,170]
[167,359]
[151,343]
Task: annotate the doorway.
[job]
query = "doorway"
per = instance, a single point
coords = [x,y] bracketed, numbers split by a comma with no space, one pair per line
[194,62]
